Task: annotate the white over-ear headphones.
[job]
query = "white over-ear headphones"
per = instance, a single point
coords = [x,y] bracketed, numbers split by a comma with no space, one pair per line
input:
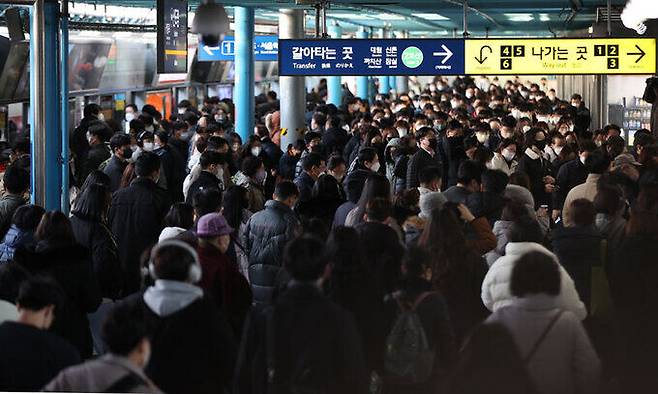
[194,273]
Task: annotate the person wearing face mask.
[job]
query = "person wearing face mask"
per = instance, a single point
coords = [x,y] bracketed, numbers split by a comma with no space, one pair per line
[570,175]
[149,123]
[538,169]
[130,113]
[597,163]
[289,160]
[426,156]
[127,336]
[452,151]
[335,137]
[210,176]
[252,177]
[79,143]
[221,278]
[504,158]
[26,341]
[121,154]
[313,166]
[136,229]
[581,115]
[313,142]
[265,236]
[173,167]
[555,148]
[98,151]
[271,152]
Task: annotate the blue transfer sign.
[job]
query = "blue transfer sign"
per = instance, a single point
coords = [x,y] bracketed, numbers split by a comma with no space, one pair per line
[371,57]
[266,48]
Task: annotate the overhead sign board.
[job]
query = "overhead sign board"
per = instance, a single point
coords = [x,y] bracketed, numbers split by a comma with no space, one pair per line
[371,57]
[172,36]
[561,56]
[266,48]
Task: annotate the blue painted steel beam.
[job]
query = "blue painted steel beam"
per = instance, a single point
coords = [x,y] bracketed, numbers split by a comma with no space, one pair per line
[244,71]
[362,82]
[334,89]
[46,174]
[64,103]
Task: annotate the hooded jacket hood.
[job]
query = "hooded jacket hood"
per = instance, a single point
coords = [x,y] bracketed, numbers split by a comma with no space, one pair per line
[167,297]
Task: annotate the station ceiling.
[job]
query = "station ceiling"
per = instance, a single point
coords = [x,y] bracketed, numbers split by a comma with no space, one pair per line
[431,18]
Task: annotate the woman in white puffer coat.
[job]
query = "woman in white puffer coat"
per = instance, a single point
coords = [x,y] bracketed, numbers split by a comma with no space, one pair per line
[524,238]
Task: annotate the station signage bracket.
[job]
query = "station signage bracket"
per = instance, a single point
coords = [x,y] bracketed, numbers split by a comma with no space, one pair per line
[524,56]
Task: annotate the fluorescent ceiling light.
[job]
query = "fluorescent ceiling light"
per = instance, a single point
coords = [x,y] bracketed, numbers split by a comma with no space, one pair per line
[520,17]
[431,17]
[544,17]
[433,32]
[350,16]
[270,14]
[390,17]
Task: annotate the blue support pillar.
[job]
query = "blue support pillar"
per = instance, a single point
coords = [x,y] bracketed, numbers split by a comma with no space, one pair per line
[362,82]
[46,173]
[392,81]
[64,102]
[334,88]
[244,71]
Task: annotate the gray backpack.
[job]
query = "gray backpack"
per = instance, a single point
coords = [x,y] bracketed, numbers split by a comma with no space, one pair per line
[409,358]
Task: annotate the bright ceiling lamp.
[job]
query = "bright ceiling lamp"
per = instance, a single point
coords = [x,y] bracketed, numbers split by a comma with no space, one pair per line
[520,17]
[638,11]
[430,16]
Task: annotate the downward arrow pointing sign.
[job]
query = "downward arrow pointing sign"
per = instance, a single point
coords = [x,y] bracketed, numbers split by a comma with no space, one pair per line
[209,50]
[446,52]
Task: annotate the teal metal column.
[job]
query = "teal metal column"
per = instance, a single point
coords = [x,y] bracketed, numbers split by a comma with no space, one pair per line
[392,82]
[46,171]
[64,102]
[334,88]
[244,71]
[401,81]
[362,81]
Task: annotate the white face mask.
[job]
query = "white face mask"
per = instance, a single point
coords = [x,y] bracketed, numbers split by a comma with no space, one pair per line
[181,111]
[149,128]
[574,105]
[526,128]
[148,146]
[582,159]
[468,95]
[375,167]
[454,104]
[402,131]
[255,151]
[90,138]
[129,117]
[558,149]
[219,172]
[101,117]
[508,154]
[482,137]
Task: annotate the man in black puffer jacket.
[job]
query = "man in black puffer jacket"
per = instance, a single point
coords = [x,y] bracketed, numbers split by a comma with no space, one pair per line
[265,237]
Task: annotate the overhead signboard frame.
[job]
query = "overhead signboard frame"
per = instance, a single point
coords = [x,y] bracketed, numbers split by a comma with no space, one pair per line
[344,57]
[171,36]
[266,49]
[516,56]
[560,56]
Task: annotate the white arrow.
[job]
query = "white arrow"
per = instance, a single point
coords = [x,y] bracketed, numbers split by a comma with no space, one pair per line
[209,50]
[447,54]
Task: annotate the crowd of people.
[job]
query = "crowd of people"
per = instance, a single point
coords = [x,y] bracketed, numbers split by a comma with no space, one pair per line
[477,237]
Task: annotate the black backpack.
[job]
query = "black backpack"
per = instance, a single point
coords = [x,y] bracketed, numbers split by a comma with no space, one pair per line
[409,358]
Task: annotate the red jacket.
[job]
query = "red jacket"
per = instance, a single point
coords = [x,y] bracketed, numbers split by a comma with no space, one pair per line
[223,282]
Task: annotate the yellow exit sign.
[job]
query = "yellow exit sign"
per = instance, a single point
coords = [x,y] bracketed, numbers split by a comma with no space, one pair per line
[561,56]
